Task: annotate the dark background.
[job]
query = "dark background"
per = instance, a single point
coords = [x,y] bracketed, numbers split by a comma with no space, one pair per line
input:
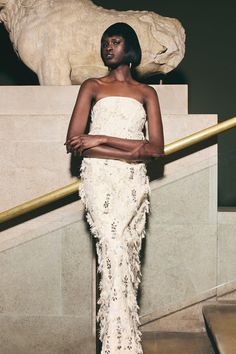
[208,68]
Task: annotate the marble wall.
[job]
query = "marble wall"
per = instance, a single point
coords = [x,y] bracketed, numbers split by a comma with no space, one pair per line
[47,294]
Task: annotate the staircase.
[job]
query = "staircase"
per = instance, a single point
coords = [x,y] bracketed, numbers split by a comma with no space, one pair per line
[221,327]
[219,336]
[176,343]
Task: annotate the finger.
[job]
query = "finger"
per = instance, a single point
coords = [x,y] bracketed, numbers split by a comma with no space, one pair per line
[67,142]
[77,146]
[74,138]
[74,143]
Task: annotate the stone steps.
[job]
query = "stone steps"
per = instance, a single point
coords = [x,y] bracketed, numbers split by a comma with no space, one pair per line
[176,343]
[220,322]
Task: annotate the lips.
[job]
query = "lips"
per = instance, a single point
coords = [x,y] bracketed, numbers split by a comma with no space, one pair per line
[109,56]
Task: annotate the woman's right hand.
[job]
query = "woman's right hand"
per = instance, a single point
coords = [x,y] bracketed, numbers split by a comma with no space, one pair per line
[77,144]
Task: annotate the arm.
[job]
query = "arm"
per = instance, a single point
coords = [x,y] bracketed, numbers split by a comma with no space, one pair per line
[78,123]
[80,114]
[137,149]
[99,150]
[155,143]
[107,152]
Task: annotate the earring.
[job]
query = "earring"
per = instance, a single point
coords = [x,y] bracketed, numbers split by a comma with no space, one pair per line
[130,65]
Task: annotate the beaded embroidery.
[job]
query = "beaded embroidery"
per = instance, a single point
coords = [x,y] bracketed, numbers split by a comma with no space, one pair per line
[116,196]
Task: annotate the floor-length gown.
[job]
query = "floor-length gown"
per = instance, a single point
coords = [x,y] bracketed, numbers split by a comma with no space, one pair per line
[116,196]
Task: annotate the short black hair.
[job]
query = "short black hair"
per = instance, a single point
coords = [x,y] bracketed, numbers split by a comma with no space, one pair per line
[133,51]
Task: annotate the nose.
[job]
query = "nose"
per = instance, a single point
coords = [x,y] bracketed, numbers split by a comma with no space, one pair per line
[109,47]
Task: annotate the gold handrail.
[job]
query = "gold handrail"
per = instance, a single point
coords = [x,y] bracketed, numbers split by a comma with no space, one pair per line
[73,187]
[38,202]
[199,136]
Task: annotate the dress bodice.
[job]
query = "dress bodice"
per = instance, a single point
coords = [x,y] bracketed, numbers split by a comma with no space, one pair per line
[118,116]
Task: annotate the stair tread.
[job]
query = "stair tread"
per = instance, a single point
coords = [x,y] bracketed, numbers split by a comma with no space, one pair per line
[176,343]
[226,301]
[221,324]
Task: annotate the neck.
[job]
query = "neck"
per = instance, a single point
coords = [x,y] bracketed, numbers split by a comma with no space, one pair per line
[121,73]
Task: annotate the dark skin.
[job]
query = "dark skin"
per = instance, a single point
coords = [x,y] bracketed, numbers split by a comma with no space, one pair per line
[118,82]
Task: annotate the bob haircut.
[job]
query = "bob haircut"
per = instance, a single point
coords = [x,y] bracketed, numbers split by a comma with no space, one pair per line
[133,52]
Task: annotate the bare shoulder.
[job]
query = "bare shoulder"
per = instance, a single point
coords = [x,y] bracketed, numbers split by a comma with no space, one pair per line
[102,80]
[149,94]
[90,83]
[89,88]
[94,84]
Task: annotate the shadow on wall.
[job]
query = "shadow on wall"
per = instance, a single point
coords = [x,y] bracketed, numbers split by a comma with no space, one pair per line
[175,77]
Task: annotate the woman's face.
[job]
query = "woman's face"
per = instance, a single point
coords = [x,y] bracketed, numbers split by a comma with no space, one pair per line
[113,50]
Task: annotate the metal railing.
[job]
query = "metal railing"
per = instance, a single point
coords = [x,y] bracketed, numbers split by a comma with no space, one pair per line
[72,188]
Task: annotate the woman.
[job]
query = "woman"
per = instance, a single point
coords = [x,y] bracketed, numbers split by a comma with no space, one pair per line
[114,184]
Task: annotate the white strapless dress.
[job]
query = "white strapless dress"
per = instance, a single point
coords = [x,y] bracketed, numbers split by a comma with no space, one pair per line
[116,196]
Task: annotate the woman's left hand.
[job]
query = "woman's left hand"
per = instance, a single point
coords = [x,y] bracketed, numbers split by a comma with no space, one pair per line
[82,142]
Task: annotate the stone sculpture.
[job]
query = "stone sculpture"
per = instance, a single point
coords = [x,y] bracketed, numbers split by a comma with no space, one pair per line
[60,39]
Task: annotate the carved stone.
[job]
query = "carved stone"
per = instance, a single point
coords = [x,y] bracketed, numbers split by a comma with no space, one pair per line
[60,39]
